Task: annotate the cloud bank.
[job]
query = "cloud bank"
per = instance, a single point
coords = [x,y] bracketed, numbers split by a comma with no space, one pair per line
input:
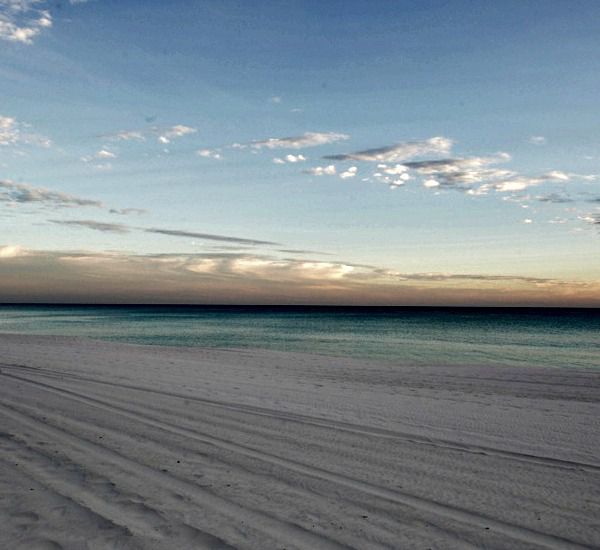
[239,278]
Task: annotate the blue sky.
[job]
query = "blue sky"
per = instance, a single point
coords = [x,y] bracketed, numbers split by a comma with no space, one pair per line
[178,151]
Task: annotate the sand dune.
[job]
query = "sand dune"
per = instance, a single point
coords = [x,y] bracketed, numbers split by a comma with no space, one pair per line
[108,445]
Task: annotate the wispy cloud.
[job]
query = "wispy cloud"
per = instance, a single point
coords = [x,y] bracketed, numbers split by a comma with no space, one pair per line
[162,134]
[537,140]
[98,226]
[517,182]
[308,139]
[179,130]
[210,154]
[398,152]
[122,228]
[207,236]
[299,251]
[554,198]
[22,20]
[99,160]
[127,211]
[102,154]
[13,192]
[13,132]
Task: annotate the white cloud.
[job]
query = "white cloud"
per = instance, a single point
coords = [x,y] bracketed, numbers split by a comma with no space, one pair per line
[179,130]
[329,170]
[289,158]
[431,183]
[163,134]
[22,20]
[537,140]
[399,152]
[13,132]
[128,135]
[350,173]
[520,183]
[395,175]
[209,154]
[9,132]
[102,154]
[527,220]
[275,99]
[308,139]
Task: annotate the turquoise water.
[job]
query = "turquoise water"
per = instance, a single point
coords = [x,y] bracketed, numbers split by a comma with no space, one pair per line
[551,337]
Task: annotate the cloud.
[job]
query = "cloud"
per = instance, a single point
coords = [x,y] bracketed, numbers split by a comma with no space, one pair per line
[127,135]
[99,159]
[329,170]
[22,20]
[460,173]
[13,192]
[241,278]
[395,175]
[350,173]
[519,182]
[9,133]
[13,132]
[12,251]
[398,152]
[206,236]
[162,134]
[122,228]
[275,99]
[209,153]
[474,175]
[592,218]
[127,211]
[537,140]
[179,130]
[104,154]
[308,139]
[297,251]
[98,226]
[289,158]
[554,198]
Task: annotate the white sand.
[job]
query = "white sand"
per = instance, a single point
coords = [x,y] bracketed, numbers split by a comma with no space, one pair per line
[108,445]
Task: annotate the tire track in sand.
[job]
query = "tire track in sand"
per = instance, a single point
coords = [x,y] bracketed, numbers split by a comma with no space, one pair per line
[425,505]
[370,431]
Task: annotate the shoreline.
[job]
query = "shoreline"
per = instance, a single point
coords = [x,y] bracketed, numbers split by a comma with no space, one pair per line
[288,445]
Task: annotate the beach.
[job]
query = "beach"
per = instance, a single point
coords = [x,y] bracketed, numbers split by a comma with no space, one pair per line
[114,445]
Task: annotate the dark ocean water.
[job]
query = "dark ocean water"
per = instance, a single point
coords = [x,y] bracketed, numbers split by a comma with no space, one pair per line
[528,336]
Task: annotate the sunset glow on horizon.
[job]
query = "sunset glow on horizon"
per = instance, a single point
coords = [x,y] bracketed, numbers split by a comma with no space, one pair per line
[344,153]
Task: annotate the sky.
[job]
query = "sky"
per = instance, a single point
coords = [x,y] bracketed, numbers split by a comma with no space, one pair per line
[300,152]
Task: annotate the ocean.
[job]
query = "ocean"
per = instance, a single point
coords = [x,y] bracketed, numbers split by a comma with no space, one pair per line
[554,337]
